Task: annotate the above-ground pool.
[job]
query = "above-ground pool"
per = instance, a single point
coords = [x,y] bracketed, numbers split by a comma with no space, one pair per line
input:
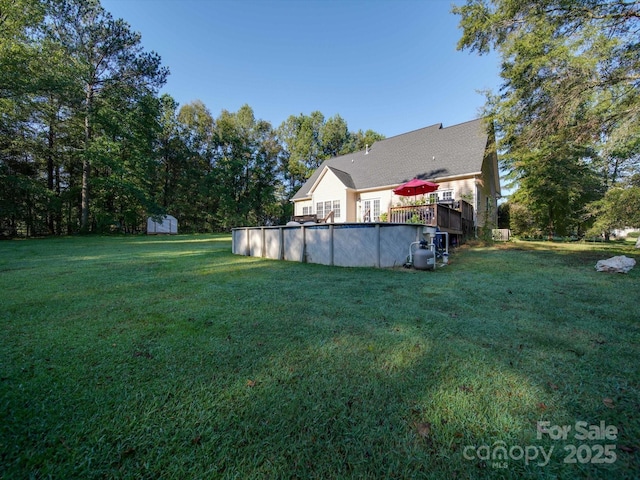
[341,244]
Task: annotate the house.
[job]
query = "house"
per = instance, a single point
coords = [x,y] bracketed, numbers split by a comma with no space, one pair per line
[358,187]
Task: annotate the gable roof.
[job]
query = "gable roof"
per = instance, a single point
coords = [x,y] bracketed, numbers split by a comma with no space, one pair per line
[428,153]
[344,177]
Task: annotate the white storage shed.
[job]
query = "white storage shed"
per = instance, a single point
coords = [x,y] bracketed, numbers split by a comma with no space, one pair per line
[166,225]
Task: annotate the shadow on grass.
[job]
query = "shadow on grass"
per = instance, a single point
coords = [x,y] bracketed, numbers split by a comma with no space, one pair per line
[215,365]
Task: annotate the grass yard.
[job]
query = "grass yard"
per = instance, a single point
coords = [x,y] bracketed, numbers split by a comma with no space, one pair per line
[169,357]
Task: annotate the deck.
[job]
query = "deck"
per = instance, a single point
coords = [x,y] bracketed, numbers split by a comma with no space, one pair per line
[457,218]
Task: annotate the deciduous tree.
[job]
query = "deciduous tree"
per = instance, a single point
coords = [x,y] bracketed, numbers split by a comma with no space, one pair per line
[308,140]
[108,54]
[571,77]
[245,176]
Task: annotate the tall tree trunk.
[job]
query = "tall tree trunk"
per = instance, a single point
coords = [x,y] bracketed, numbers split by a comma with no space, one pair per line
[51,141]
[84,217]
[165,190]
[58,217]
[86,166]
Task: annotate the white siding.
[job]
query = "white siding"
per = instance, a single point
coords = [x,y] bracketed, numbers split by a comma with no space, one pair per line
[384,196]
[330,189]
[464,189]
[352,203]
[298,207]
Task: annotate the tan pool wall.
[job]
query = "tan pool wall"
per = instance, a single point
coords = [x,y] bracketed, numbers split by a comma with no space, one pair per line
[381,245]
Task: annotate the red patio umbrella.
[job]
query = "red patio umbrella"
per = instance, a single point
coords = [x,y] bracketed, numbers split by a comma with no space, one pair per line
[415,187]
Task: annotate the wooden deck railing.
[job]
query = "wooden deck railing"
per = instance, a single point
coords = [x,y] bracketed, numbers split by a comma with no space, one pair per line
[449,219]
[314,218]
[413,214]
[455,220]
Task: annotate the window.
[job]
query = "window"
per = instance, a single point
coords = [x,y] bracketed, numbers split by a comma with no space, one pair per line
[325,208]
[376,210]
[441,196]
[306,210]
[371,210]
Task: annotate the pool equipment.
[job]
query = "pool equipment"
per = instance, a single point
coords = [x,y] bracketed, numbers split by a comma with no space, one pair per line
[424,256]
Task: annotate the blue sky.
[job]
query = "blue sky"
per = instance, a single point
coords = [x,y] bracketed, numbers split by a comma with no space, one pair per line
[389,66]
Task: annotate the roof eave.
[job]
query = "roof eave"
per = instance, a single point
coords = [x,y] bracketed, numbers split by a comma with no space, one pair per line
[457,177]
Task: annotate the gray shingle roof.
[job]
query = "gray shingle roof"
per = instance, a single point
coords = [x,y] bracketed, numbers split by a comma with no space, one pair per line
[344,177]
[428,153]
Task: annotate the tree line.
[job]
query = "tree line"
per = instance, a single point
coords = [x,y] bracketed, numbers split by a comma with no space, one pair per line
[567,114]
[87,144]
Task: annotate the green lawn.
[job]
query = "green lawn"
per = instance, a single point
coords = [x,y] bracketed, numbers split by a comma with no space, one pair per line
[169,357]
